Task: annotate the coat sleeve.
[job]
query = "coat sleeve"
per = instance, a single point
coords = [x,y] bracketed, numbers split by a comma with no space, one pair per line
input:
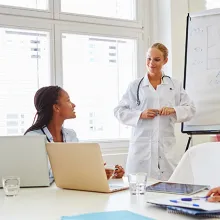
[186,108]
[125,112]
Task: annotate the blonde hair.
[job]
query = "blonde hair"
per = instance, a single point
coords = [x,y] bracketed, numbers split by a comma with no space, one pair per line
[161,48]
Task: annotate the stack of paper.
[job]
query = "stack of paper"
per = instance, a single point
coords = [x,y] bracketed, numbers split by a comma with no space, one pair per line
[199,207]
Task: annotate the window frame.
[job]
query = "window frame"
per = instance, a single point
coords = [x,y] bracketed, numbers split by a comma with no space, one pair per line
[97,30]
[92,19]
[57,23]
[32,24]
[29,12]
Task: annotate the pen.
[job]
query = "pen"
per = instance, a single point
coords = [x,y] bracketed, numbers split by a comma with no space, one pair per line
[187,203]
[193,198]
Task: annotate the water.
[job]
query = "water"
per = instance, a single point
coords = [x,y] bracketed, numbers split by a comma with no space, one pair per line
[11,190]
[137,188]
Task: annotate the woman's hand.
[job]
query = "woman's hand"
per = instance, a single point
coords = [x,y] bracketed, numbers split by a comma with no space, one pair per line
[149,114]
[214,195]
[167,111]
[115,173]
[109,173]
[119,172]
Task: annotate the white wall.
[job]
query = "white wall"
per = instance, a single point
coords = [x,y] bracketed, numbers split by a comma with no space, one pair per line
[197,5]
[161,28]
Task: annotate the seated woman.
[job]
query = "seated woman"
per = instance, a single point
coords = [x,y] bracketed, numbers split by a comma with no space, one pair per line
[53,107]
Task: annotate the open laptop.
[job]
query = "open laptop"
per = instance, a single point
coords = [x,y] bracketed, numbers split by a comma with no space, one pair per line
[79,166]
[25,157]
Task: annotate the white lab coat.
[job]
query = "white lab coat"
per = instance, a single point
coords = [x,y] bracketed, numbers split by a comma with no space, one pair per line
[152,141]
[69,135]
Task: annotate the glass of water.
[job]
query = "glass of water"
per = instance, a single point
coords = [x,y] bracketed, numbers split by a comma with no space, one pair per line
[137,183]
[11,185]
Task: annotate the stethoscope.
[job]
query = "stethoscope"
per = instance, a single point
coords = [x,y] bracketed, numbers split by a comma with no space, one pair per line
[138,88]
[48,135]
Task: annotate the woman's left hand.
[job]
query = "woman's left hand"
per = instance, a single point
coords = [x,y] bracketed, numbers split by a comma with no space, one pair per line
[166,111]
[119,172]
[109,173]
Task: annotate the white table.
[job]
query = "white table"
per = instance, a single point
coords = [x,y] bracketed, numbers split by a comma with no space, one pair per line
[50,203]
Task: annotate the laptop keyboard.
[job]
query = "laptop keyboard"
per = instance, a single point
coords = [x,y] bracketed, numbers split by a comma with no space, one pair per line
[116,187]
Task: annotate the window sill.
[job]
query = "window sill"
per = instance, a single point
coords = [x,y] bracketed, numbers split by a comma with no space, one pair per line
[111,146]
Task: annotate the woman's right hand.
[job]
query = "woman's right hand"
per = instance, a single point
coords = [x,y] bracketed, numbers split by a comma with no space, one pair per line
[214,195]
[149,113]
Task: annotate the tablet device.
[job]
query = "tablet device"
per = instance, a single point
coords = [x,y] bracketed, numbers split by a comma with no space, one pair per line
[176,188]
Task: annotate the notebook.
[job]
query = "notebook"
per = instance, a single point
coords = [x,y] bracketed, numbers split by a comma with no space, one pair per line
[193,212]
[116,215]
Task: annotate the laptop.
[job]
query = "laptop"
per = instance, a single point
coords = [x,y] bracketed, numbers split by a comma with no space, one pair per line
[25,157]
[80,166]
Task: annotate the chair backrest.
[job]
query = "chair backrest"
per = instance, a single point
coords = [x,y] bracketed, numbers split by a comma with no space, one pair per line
[199,165]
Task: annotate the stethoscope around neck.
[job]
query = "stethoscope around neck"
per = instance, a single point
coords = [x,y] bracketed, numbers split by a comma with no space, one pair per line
[48,135]
[138,88]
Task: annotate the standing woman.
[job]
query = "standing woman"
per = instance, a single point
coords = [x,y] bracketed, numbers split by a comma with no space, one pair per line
[152,105]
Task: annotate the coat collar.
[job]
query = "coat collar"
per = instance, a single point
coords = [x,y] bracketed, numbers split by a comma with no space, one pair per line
[146,82]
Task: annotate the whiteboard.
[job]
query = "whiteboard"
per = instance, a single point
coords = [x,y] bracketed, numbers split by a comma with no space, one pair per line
[202,71]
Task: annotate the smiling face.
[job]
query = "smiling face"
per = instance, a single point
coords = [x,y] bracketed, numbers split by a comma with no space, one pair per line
[155,60]
[64,107]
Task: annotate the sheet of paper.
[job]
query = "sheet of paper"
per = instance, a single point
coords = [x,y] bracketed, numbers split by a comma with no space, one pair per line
[203,204]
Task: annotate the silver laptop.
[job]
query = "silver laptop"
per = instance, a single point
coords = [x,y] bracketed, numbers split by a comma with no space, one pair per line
[25,157]
[80,166]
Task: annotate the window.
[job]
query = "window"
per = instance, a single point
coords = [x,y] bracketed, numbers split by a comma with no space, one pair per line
[211,4]
[35,4]
[24,67]
[96,72]
[91,48]
[120,9]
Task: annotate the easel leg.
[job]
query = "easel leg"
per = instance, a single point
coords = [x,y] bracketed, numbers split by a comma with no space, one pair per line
[188,143]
